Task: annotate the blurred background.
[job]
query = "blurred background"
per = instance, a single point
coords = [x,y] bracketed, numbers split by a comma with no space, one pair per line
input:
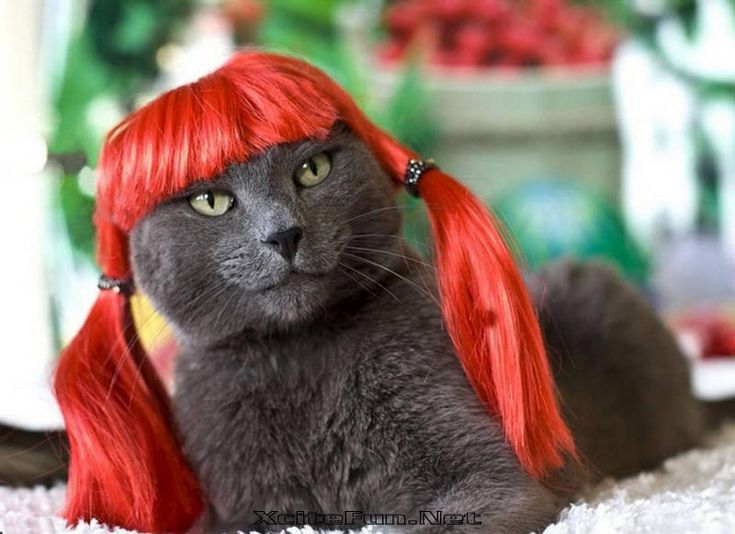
[596,129]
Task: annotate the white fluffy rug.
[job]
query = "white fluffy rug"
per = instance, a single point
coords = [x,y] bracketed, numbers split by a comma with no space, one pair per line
[691,493]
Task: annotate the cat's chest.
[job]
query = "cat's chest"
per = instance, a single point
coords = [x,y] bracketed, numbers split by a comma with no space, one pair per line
[299,434]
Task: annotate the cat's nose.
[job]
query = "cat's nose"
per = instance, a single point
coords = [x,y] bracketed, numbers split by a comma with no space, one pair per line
[285,242]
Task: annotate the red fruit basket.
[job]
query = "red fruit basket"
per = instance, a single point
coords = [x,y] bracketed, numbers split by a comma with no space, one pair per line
[498,33]
[518,90]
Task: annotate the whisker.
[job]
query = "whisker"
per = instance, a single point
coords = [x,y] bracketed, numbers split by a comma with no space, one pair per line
[407,259]
[214,292]
[414,242]
[376,211]
[373,280]
[348,275]
[389,253]
[388,270]
[223,308]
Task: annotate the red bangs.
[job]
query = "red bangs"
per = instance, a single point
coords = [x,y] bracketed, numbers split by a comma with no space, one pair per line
[195,131]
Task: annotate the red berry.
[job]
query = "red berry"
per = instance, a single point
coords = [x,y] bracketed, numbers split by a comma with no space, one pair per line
[552,53]
[391,51]
[403,18]
[473,38]
[444,58]
[521,38]
[490,10]
[500,32]
[449,10]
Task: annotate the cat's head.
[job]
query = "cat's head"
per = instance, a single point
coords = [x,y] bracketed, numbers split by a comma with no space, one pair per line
[270,243]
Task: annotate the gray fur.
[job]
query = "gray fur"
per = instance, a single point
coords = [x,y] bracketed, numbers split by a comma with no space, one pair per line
[623,379]
[331,385]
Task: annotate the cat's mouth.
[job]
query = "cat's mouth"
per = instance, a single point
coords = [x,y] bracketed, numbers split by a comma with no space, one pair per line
[296,277]
[307,275]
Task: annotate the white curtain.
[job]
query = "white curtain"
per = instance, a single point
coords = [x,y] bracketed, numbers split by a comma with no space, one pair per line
[26,351]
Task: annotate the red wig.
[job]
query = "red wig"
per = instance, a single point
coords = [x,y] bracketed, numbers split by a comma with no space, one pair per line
[127,467]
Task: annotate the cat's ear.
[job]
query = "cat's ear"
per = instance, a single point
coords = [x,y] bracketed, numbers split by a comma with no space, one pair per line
[126,466]
[492,323]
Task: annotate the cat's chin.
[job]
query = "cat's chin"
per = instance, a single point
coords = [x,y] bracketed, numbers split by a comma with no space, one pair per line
[295,280]
[295,300]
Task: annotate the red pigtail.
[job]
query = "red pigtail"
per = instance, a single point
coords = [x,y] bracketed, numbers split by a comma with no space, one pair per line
[126,465]
[490,319]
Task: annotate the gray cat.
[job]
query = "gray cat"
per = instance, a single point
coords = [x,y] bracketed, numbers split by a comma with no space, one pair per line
[315,375]
[316,383]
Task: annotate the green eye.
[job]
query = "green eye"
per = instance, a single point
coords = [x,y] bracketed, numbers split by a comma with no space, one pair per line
[211,203]
[314,170]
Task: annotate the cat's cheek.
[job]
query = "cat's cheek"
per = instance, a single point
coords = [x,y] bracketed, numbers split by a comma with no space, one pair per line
[317,263]
[250,271]
[320,256]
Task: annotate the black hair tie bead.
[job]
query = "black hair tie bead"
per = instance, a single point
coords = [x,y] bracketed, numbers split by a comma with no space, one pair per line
[116,285]
[415,169]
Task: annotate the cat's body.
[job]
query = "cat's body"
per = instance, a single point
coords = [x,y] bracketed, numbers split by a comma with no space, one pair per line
[315,375]
[367,410]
